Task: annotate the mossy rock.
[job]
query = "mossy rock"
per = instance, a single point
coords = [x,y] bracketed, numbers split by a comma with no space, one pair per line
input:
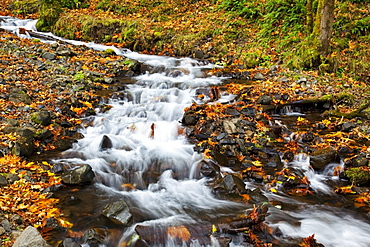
[358,175]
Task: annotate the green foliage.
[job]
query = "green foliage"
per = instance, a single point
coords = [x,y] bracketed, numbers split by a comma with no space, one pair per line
[284,16]
[25,7]
[79,76]
[244,8]
[70,4]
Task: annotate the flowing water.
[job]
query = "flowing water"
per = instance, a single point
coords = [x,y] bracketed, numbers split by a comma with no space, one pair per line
[152,167]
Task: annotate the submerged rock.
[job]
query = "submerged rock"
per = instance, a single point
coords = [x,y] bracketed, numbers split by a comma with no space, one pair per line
[79,176]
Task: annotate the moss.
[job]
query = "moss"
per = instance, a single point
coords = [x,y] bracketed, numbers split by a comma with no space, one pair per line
[110,52]
[358,175]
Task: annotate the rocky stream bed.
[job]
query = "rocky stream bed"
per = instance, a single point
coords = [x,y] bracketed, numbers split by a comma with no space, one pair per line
[272,119]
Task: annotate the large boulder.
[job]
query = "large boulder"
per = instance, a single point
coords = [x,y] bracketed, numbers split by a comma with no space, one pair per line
[79,176]
[322,157]
[24,145]
[30,237]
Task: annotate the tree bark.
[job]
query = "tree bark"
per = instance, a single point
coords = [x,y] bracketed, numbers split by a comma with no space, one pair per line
[326,25]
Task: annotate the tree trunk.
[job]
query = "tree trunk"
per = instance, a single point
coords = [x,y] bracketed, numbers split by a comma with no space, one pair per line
[324,25]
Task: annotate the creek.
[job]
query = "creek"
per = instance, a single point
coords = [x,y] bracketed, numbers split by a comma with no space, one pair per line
[151,166]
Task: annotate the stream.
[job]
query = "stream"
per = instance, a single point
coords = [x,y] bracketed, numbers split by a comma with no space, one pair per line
[150,165]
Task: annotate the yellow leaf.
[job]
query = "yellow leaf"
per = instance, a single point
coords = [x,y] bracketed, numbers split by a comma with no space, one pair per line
[257,163]
[273,190]
[214,229]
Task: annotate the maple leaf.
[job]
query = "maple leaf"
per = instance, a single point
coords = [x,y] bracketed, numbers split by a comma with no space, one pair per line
[180,232]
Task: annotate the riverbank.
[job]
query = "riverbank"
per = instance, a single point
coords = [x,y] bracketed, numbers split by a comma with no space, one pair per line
[226,32]
[48,89]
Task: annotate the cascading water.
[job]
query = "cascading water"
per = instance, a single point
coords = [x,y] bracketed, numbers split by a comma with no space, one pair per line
[140,156]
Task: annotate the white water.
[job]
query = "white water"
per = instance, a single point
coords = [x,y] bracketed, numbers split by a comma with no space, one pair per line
[160,165]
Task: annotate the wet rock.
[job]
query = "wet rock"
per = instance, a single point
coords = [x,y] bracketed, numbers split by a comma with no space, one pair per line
[69,242]
[41,117]
[356,161]
[79,176]
[43,134]
[17,95]
[209,168]
[95,237]
[275,162]
[307,137]
[30,237]
[248,111]
[105,144]
[118,212]
[259,215]
[190,118]
[229,184]
[264,100]
[202,136]
[58,168]
[322,157]
[348,126]
[232,112]
[63,144]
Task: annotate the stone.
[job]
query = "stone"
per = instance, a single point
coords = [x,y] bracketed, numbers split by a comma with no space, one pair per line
[198,54]
[43,134]
[6,224]
[41,117]
[248,111]
[30,237]
[105,144]
[24,145]
[49,56]
[3,181]
[322,157]
[229,184]
[264,100]
[118,212]
[348,126]
[2,230]
[79,176]
[258,76]
[69,242]
[209,168]
[63,144]
[359,161]
[232,112]
[189,119]
[17,95]
[95,237]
